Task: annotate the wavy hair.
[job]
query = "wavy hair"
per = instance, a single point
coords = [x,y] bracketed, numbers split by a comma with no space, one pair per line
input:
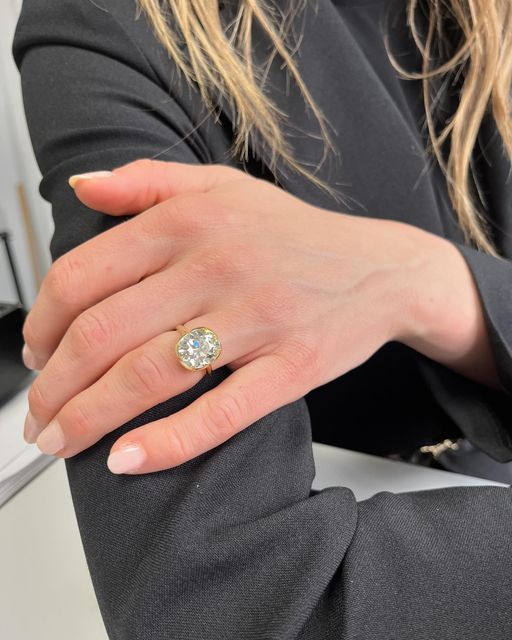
[219,61]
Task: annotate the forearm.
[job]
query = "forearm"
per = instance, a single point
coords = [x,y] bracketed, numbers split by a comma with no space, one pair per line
[446,319]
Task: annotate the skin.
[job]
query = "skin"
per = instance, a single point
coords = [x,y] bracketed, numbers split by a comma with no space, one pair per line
[297,294]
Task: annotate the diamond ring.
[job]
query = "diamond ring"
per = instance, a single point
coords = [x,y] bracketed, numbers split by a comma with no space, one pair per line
[198,348]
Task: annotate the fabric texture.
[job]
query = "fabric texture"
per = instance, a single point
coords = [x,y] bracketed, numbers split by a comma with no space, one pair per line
[234,544]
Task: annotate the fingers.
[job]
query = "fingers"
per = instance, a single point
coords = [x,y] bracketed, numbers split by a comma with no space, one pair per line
[141,184]
[246,395]
[119,257]
[101,335]
[110,262]
[138,381]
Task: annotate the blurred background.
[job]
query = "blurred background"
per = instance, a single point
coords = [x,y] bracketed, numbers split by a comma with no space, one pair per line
[26,224]
[24,215]
[45,588]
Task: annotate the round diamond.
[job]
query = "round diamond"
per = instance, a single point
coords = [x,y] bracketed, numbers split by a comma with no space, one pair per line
[198,348]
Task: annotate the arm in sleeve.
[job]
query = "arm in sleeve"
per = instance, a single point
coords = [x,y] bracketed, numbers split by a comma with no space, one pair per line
[234,544]
[484,414]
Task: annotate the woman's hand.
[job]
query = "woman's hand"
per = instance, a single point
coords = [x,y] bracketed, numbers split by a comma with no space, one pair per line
[298,296]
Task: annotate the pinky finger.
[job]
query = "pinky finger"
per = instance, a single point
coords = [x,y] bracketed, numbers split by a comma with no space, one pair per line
[246,395]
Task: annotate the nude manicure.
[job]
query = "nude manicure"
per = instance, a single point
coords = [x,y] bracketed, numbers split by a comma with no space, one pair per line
[51,439]
[29,359]
[72,180]
[32,429]
[127,458]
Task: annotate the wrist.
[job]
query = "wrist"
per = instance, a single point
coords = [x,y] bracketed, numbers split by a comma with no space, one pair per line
[442,316]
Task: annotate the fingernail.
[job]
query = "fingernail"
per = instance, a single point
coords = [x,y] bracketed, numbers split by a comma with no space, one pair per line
[51,439]
[29,359]
[127,458]
[32,428]
[72,180]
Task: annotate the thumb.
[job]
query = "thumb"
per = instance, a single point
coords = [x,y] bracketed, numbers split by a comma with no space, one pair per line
[141,184]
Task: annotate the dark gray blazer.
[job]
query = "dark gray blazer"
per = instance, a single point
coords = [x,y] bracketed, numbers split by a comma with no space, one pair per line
[234,544]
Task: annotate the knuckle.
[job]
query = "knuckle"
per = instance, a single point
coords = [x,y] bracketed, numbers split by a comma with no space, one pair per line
[209,214]
[55,282]
[76,419]
[144,163]
[146,374]
[90,332]
[223,414]
[299,356]
[273,306]
[147,190]
[65,280]
[182,213]
[148,167]
[179,444]
[185,212]
[37,403]
[214,264]
[228,263]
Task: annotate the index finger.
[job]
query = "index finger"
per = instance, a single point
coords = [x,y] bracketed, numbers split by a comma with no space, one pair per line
[89,273]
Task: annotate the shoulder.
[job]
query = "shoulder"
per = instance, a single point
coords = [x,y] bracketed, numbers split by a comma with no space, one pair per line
[116,28]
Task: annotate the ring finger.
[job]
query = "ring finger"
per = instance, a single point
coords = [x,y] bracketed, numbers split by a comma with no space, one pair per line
[141,379]
[100,336]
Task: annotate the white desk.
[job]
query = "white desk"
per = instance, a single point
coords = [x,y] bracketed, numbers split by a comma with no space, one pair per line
[45,588]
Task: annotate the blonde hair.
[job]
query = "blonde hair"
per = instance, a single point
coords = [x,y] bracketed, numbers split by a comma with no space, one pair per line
[220,62]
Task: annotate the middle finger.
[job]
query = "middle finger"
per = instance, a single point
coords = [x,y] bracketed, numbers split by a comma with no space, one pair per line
[107,331]
[110,262]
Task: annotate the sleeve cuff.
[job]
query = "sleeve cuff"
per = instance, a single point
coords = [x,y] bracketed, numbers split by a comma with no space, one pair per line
[483,414]
[493,278]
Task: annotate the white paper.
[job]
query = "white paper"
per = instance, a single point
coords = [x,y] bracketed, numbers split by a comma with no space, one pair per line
[19,461]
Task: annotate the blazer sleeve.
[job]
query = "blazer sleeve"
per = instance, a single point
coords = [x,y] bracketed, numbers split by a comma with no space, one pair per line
[235,544]
[483,414]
